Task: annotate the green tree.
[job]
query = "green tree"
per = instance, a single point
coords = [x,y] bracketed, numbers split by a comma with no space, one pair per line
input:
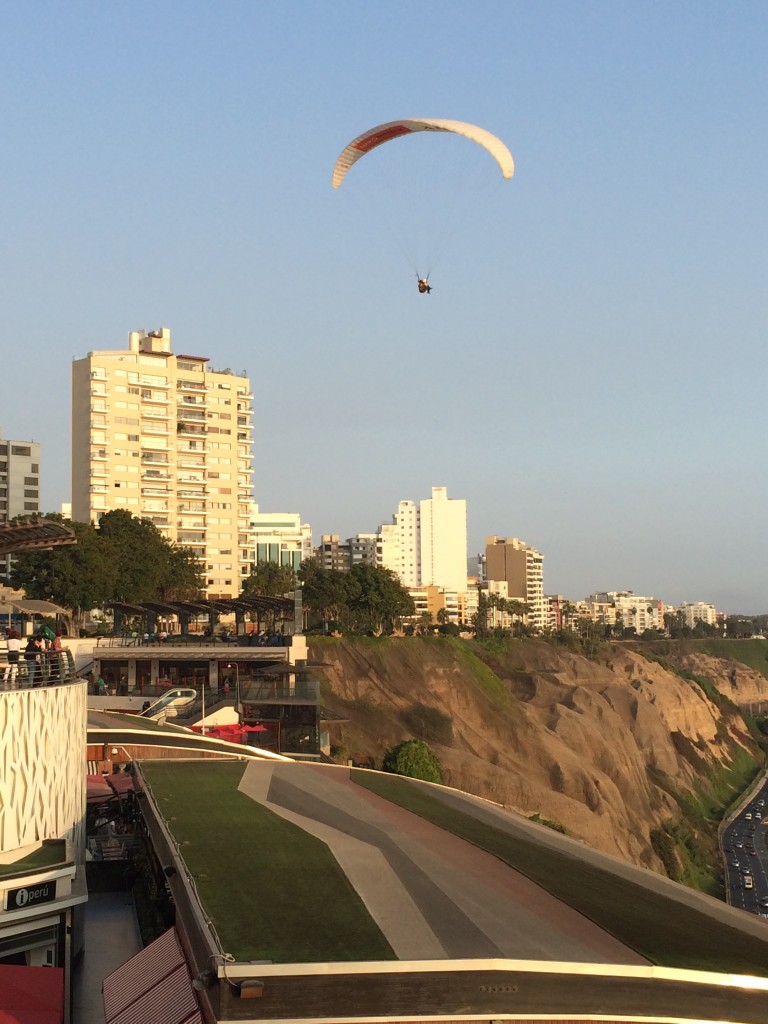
[376,599]
[425,622]
[122,558]
[183,577]
[79,576]
[480,618]
[146,565]
[567,613]
[324,590]
[268,579]
[414,759]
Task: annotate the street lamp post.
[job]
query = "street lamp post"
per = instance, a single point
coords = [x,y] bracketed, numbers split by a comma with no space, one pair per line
[236,667]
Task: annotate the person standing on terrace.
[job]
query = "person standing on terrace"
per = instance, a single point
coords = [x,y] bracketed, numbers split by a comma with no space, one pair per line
[31,655]
[12,668]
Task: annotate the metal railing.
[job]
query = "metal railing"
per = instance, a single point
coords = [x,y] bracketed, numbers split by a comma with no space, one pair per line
[44,668]
[265,690]
[195,640]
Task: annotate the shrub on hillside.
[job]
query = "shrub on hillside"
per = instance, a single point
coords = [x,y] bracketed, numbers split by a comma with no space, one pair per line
[414,759]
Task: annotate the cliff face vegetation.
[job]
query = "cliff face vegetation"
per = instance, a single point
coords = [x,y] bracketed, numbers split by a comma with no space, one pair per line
[634,751]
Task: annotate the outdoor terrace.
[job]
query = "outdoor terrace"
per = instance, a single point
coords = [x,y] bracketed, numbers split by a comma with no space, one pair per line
[49,668]
[345,894]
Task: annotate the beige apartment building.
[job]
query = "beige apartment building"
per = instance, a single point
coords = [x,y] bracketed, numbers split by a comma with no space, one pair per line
[169,439]
[521,567]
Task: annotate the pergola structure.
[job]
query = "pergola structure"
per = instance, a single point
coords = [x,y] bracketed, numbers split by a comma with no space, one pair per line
[34,534]
[185,611]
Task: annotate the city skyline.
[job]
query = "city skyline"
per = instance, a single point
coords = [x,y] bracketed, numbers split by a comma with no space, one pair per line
[583,371]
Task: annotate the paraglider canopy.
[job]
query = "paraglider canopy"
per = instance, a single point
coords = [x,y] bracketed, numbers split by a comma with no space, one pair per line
[395,129]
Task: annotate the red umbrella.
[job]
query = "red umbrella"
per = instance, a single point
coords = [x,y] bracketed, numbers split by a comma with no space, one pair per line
[255,728]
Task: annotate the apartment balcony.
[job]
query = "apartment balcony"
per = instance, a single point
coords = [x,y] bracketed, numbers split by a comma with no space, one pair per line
[155,475]
[198,507]
[154,460]
[191,524]
[155,414]
[190,415]
[155,492]
[154,427]
[190,430]
[155,506]
[189,537]
[190,478]
[186,492]
[191,386]
[98,488]
[148,395]
[100,455]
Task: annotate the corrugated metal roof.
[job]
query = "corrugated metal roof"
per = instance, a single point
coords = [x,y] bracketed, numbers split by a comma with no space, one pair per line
[153,987]
[170,1001]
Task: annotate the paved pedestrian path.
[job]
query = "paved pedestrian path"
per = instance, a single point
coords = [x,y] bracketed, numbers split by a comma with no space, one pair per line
[433,895]
[111,937]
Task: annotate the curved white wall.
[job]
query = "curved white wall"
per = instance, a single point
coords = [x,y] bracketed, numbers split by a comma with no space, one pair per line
[42,765]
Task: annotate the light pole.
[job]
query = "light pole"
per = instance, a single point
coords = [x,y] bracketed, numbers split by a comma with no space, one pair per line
[236,667]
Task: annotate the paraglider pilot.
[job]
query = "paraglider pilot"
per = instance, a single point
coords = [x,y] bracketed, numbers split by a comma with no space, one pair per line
[424,285]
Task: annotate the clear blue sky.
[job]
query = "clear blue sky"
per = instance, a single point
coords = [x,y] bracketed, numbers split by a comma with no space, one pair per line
[589,371]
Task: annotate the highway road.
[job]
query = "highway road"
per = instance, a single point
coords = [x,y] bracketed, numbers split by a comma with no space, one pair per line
[746,856]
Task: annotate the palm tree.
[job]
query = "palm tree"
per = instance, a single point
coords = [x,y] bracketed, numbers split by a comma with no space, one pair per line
[567,611]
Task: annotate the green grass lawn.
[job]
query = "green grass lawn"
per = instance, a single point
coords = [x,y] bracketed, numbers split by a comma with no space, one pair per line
[667,933]
[753,653]
[271,890]
[51,853]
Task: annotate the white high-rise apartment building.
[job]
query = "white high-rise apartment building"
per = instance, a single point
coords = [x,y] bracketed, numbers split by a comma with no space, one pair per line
[169,439]
[19,485]
[443,541]
[398,544]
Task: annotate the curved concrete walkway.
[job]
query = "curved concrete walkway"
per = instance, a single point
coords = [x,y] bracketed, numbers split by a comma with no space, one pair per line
[433,895]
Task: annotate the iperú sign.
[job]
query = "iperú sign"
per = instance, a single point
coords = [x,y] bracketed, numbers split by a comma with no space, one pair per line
[30,895]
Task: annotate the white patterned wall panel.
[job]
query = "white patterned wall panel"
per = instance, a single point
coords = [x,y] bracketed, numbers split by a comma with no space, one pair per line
[42,765]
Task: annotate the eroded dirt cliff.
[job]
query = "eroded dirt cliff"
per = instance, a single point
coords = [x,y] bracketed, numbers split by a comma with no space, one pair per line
[618,748]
